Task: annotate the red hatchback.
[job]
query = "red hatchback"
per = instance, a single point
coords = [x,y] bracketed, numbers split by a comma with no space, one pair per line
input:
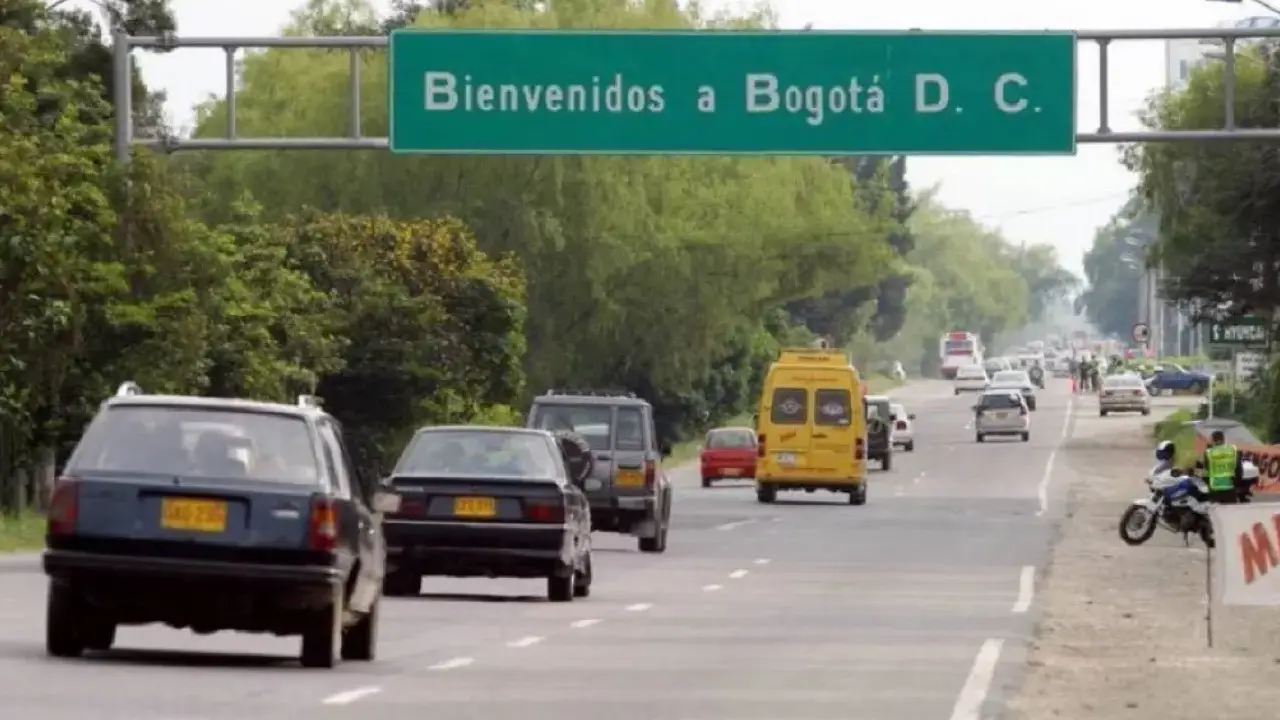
[729,453]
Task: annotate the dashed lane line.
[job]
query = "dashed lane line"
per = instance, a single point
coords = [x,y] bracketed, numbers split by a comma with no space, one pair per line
[976,687]
[347,697]
[711,588]
[761,561]
[453,664]
[588,622]
[1026,589]
[526,641]
[639,607]
[737,574]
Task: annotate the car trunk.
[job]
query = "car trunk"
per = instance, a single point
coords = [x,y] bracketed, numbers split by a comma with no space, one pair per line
[730,461]
[477,502]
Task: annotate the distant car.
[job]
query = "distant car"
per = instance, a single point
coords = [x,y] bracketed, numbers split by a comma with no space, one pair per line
[215,514]
[1001,412]
[971,378]
[1123,393]
[728,453]
[1016,380]
[481,501]
[1177,378]
[903,427]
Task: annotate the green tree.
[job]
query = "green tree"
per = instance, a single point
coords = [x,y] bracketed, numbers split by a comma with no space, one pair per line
[1112,268]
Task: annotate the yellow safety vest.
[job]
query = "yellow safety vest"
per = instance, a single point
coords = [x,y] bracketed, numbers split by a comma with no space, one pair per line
[1221,466]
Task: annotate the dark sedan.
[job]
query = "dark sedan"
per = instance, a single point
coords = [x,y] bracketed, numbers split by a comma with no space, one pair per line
[488,502]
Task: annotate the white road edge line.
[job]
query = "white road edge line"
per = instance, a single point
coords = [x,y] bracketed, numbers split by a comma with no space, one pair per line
[737,574]
[454,664]
[711,588]
[735,524]
[584,623]
[525,641]
[1026,589]
[1071,411]
[347,697]
[762,561]
[1042,490]
[639,607]
[974,692]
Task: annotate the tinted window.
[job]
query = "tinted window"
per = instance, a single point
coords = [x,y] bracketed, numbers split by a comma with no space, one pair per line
[1122,382]
[790,406]
[833,407]
[630,429]
[731,439]
[999,401]
[1011,377]
[592,422]
[197,442]
[477,453]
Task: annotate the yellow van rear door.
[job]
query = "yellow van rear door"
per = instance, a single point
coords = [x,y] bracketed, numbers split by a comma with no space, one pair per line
[836,428]
[789,416]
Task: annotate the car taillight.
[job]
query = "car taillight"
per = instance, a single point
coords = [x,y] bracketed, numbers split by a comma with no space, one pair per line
[900,425]
[540,511]
[650,474]
[322,527]
[411,507]
[760,446]
[64,506]
[859,450]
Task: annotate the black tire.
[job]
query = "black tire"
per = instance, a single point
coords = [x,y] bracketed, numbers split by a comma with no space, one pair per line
[980,437]
[360,641]
[911,446]
[886,463]
[706,482]
[401,583]
[657,543]
[322,638]
[1026,437]
[582,584]
[1135,539]
[1102,413]
[766,494]
[859,496]
[1146,412]
[957,392]
[560,587]
[1196,388]
[62,631]
[99,634]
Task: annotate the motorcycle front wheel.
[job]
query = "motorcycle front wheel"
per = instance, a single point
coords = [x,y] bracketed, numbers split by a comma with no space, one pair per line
[1137,525]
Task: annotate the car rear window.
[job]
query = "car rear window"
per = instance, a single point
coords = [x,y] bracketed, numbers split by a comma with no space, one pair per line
[834,407]
[999,401]
[1010,376]
[197,442]
[593,422]
[790,406]
[477,453]
[630,429]
[731,439]
[1122,383]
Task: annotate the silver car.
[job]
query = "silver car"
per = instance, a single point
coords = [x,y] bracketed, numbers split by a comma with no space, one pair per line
[1001,412]
[1123,393]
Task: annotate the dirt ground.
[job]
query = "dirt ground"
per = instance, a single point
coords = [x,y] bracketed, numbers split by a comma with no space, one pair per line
[1122,631]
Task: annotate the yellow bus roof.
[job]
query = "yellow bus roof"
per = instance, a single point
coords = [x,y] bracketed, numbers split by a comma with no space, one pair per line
[807,356]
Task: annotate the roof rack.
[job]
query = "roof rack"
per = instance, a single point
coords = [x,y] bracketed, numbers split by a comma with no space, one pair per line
[128,388]
[591,392]
[308,401]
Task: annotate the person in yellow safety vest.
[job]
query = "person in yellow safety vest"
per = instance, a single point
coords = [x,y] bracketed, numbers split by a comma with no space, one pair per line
[1223,469]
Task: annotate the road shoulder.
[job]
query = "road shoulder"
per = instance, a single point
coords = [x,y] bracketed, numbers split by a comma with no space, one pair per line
[1122,630]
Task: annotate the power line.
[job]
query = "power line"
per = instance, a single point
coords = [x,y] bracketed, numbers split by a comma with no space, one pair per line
[1051,208]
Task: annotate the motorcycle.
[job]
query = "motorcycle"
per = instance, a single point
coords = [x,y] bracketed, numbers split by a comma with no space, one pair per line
[1176,504]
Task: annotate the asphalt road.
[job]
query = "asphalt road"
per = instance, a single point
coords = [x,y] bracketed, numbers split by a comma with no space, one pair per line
[918,605]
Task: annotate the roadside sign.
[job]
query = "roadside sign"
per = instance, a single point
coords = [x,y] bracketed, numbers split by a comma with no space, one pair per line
[1248,364]
[1141,333]
[1247,331]
[731,92]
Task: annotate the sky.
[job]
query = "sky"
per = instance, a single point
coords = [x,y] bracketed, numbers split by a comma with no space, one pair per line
[1055,200]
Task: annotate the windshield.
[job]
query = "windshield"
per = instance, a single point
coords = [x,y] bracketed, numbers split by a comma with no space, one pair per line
[592,422]
[1011,377]
[997,401]
[973,371]
[477,453]
[197,442]
[736,439]
[1122,382]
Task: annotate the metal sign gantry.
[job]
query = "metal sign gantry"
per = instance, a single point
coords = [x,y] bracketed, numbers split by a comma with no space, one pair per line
[1226,38]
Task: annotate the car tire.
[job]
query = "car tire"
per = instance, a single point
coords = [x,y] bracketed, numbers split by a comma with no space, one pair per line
[360,641]
[886,463]
[980,437]
[560,587]
[911,446]
[322,636]
[401,583]
[1146,412]
[657,543]
[1196,388]
[1026,437]
[706,482]
[99,634]
[766,494]
[859,496]
[957,392]
[582,583]
[62,625]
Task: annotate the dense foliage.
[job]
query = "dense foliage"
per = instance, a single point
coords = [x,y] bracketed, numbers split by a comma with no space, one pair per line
[421,290]
[1218,203]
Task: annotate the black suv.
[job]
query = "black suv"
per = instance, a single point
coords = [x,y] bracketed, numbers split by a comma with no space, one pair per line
[215,514]
[627,488]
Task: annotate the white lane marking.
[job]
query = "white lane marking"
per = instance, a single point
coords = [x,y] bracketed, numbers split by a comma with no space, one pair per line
[1066,423]
[974,692]
[584,623]
[1026,589]
[639,607]
[525,641]
[776,519]
[761,561]
[735,524]
[711,588]
[347,697]
[1042,490]
[968,425]
[454,664]
[737,574]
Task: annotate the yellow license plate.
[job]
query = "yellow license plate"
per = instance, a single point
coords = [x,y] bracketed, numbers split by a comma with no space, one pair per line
[1001,416]
[732,472]
[475,507]
[629,478]
[193,515]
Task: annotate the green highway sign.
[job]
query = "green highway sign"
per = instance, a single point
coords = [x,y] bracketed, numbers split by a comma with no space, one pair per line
[731,92]
[1247,331]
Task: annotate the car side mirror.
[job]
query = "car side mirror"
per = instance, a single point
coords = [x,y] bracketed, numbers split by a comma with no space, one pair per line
[664,448]
[386,501]
[911,416]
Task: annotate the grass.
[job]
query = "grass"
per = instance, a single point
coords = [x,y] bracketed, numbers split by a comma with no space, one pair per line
[24,531]
[1175,428]
[688,450]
